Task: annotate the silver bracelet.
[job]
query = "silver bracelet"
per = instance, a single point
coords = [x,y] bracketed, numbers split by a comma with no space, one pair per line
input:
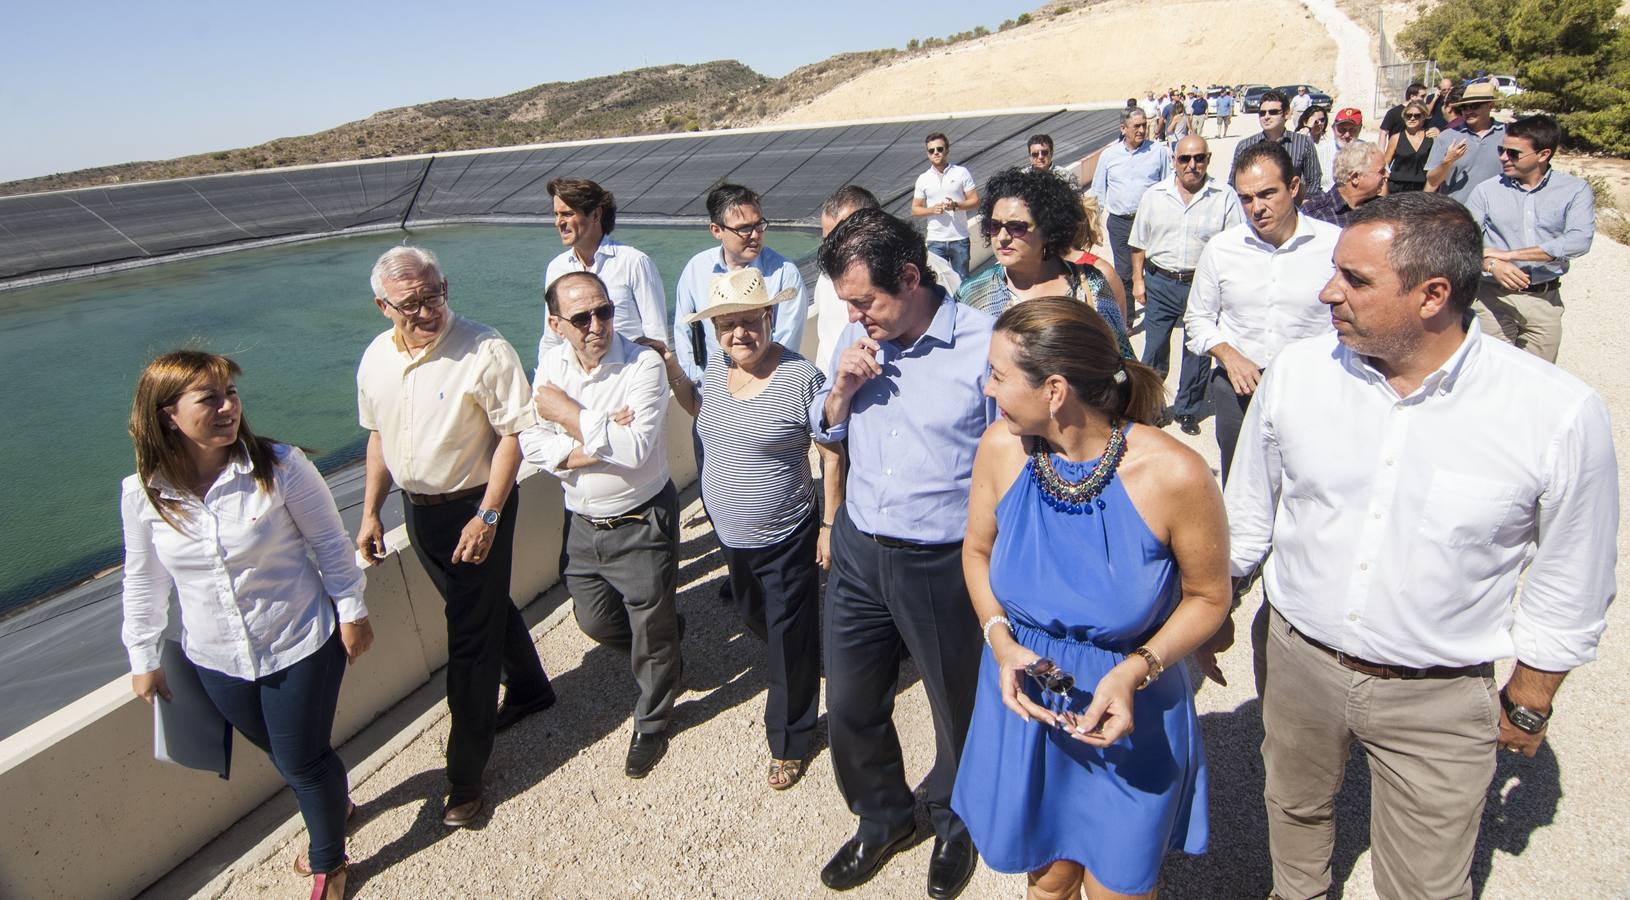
[995,620]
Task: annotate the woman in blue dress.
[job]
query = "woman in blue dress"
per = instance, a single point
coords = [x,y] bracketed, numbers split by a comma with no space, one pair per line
[1097,558]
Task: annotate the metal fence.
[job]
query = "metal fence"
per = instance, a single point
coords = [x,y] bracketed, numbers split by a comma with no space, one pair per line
[1392,80]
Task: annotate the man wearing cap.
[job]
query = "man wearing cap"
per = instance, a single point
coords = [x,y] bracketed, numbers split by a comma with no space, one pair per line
[1468,154]
[907,392]
[442,399]
[736,219]
[585,215]
[1534,219]
[1304,155]
[1125,170]
[1348,123]
[943,195]
[1175,220]
[602,403]
[1360,178]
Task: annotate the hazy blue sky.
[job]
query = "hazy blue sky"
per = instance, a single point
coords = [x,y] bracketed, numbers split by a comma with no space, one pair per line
[87,83]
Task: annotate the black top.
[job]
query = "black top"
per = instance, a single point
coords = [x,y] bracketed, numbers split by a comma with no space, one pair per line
[1393,121]
[1409,162]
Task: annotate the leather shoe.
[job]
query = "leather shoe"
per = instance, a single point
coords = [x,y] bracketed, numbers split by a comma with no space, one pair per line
[461,809]
[855,862]
[644,750]
[509,713]
[950,867]
[1189,425]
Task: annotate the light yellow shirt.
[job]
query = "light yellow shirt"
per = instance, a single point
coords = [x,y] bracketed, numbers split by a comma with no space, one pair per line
[439,416]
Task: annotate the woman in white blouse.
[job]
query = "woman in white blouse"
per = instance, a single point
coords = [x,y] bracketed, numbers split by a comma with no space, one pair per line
[227,519]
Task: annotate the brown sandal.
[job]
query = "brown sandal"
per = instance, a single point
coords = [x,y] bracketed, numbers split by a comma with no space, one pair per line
[784,773]
[302,863]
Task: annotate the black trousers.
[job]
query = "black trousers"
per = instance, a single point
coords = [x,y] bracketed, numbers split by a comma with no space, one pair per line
[1229,409]
[777,589]
[485,632]
[882,601]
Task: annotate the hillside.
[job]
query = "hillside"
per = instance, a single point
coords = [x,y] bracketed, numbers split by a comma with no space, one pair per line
[654,100]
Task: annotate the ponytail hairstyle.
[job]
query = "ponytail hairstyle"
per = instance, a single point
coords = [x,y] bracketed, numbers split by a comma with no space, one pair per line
[161,451]
[1091,232]
[1063,336]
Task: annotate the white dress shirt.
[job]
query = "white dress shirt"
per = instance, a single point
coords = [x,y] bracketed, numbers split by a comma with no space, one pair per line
[634,457]
[633,282]
[1256,297]
[1400,526]
[252,600]
[1171,233]
[832,314]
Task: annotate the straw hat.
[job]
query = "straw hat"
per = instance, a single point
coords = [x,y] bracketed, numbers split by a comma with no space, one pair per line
[738,291]
[1480,92]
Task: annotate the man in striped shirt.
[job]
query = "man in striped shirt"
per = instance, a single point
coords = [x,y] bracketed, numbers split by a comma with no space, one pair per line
[1304,155]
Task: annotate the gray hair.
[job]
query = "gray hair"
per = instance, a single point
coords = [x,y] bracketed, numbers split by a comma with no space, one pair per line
[1130,111]
[400,262]
[1353,158]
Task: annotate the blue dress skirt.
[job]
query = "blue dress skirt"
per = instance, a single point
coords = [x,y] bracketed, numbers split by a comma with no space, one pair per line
[1084,589]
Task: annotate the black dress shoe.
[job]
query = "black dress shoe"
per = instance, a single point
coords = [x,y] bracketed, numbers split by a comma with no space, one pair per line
[855,863]
[644,750]
[950,867]
[1189,425]
[510,713]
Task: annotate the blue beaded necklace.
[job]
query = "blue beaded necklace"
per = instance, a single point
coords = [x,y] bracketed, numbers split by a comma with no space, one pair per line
[1076,496]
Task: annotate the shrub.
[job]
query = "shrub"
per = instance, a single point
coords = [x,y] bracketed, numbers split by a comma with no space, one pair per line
[913,44]
[1023,19]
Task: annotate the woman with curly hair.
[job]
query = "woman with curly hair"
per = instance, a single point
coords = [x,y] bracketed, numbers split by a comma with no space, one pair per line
[1031,220]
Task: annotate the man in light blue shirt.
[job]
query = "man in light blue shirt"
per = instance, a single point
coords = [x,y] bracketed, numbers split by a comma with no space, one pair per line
[907,391]
[1125,170]
[1534,219]
[738,225]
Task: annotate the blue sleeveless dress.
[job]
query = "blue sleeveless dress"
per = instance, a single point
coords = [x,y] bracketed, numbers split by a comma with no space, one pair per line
[1083,589]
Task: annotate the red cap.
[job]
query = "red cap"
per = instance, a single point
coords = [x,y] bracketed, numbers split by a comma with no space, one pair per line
[1350,114]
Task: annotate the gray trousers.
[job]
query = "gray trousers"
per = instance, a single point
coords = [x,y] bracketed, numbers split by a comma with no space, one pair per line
[622,583]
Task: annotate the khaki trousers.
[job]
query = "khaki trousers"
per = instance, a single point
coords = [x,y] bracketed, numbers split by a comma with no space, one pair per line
[1532,322]
[1430,744]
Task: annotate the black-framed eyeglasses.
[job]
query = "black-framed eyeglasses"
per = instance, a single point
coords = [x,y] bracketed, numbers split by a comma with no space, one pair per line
[1016,229]
[411,308]
[746,231]
[1270,112]
[603,312]
[1184,159]
[1050,676]
[1512,153]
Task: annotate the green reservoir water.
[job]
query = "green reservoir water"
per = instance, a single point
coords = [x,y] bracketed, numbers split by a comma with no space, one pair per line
[295,317]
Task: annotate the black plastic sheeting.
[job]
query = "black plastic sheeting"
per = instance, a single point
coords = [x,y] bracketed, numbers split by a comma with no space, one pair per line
[660,177]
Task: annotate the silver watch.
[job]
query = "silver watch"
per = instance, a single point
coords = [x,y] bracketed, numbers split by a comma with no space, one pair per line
[488,517]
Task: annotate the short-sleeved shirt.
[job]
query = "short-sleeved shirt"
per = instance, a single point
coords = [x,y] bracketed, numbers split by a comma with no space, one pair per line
[1480,163]
[439,416]
[933,186]
[1225,106]
[756,482]
[1393,121]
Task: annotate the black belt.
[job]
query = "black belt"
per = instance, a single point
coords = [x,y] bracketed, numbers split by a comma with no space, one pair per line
[1386,670]
[1179,277]
[1127,217]
[898,544]
[632,517]
[439,499]
[1544,287]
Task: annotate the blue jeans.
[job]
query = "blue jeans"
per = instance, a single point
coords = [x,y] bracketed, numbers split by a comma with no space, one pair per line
[290,715]
[1165,300]
[954,252]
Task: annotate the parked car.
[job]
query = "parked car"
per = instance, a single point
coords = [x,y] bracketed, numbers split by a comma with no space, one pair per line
[1320,98]
[1505,84]
[1250,96]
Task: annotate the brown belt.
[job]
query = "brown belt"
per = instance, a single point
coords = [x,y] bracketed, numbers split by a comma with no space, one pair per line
[1384,670]
[439,499]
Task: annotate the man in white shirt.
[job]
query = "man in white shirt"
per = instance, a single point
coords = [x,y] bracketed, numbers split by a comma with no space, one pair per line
[602,402]
[1300,103]
[586,214]
[442,399]
[1256,287]
[1125,170]
[1175,220]
[943,195]
[1406,473]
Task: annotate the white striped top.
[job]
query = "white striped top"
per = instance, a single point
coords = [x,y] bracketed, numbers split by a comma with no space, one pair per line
[756,481]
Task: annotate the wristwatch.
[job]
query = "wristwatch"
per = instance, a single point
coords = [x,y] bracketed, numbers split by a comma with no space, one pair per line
[1528,720]
[488,517]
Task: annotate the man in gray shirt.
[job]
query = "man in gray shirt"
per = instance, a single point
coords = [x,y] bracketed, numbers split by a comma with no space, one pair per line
[1468,154]
[1534,219]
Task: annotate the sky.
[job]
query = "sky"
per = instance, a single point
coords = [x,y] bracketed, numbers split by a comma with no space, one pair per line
[87,83]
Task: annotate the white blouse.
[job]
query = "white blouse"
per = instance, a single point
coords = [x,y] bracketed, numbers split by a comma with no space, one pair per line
[253,600]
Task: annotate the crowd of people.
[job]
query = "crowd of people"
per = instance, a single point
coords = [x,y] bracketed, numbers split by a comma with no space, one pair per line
[996,498]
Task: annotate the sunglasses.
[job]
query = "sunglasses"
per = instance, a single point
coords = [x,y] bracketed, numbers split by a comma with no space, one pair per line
[1513,153]
[1015,228]
[1184,159]
[937,150]
[1416,116]
[1040,154]
[746,231]
[603,312]
[1051,678]
[1270,112]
